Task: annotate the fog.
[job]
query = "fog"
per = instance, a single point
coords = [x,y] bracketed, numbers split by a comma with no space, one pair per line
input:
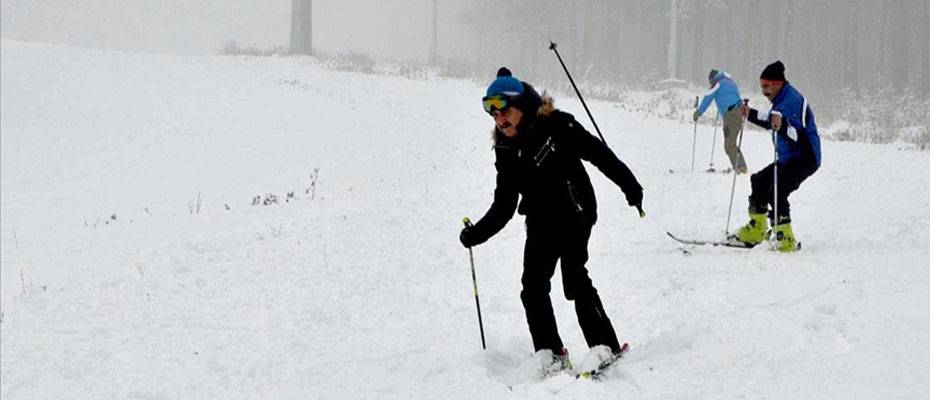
[829,46]
[391,30]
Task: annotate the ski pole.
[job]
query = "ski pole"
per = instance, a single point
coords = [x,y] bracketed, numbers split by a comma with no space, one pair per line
[713,144]
[474,281]
[694,141]
[775,179]
[739,150]
[552,46]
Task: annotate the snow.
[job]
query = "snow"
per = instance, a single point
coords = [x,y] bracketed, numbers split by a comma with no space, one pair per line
[114,285]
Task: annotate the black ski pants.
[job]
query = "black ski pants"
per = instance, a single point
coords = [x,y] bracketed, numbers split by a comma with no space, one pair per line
[547,242]
[790,176]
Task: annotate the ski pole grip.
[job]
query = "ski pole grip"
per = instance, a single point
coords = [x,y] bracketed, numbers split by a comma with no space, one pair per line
[467,222]
[552,45]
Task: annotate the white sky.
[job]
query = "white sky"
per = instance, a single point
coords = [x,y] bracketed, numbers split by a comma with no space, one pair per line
[394,29]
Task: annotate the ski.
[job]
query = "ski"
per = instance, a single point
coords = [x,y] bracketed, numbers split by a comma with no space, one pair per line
[724,243]
[598,373]
[730,242]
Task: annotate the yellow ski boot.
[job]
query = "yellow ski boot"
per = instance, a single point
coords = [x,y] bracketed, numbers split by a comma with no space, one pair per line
[753,232]
[784,238]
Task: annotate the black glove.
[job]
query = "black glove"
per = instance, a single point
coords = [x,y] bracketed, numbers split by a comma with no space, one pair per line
[635,199]
[467,237]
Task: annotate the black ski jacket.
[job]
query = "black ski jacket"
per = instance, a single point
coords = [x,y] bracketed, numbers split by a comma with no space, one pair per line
[542,166]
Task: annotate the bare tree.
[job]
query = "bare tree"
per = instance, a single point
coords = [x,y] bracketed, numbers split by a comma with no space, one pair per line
[900,59]
[434,36]
[673,39]
[302,26]
[827,45]
[697,48]
[924,49]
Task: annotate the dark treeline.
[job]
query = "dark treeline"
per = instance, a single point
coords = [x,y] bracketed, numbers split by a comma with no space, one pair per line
[829,46]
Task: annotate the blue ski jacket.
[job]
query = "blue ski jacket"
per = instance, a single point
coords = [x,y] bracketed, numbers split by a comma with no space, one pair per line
[724,92]
[797,140]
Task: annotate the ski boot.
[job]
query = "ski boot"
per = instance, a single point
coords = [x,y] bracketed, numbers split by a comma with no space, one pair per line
[540,366]
[545,363]
[784,237]
[754,231]
[563,361]
[598,360]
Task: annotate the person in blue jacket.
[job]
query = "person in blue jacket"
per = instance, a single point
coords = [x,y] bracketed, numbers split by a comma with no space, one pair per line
[725,93]
[797,146]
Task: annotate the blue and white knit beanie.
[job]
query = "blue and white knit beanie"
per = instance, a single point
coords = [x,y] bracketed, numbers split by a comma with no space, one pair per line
[505,84]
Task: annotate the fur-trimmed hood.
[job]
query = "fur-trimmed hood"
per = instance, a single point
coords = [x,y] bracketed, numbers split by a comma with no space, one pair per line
[547,107]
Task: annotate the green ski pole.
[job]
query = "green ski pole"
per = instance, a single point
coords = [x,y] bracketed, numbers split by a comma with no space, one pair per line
[474,281]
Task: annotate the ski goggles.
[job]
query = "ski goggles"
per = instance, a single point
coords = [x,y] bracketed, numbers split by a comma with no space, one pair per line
[497,102]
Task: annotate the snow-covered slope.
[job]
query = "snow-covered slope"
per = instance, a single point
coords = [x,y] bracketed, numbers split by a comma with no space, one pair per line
[134,265]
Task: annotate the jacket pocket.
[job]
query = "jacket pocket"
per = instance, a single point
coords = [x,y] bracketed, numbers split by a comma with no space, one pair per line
[575,198]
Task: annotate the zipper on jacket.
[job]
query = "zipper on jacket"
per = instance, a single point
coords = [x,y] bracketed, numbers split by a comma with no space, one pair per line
[544,151]
[571,194]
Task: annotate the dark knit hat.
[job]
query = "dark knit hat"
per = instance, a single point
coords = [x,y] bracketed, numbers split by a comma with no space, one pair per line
[713,74]
[774,72]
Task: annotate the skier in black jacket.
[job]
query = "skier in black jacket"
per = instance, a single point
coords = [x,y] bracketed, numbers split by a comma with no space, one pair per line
[539,151]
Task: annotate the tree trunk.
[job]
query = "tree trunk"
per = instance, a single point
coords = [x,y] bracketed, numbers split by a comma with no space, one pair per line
[302,26]
[883,47]
[900,59]
[852,47]
[698,69]
[618,47]
[746,56]
[673,39]
[434,38]
[924,84]
[774,44]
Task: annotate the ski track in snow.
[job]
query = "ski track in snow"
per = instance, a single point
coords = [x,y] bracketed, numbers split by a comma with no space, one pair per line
[363,291]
